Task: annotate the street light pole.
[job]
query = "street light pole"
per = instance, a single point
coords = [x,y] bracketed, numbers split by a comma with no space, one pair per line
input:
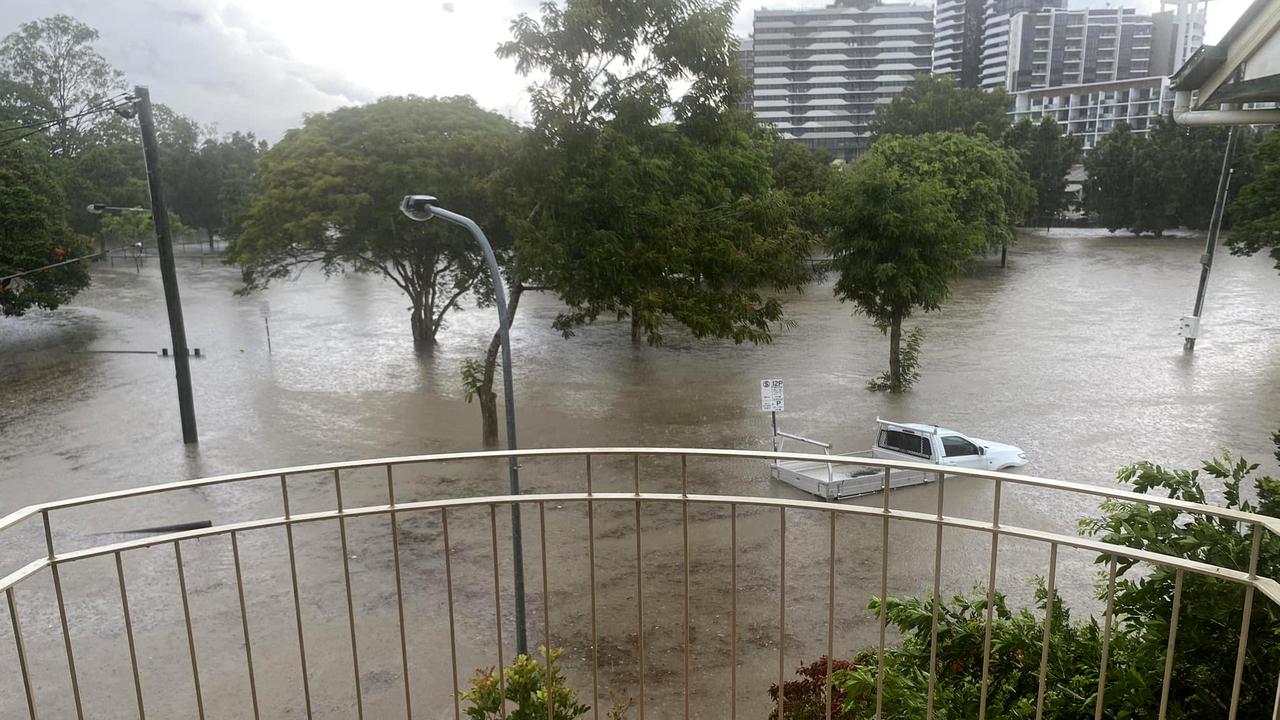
[1211,240]
[168,273]
[422,208]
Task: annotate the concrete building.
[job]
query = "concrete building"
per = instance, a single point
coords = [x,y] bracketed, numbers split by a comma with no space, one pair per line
[1055,47]
[819,74]
[1092,110]
[747,63]
[957,40]
[997,20]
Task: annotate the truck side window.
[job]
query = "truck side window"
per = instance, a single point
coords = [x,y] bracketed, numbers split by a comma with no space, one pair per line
[899,441]
[957,446]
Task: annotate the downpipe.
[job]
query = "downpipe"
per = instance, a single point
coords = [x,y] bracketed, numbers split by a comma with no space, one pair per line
[1184,115]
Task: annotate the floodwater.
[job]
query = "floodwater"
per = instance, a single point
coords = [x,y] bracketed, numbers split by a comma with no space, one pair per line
[1071,353]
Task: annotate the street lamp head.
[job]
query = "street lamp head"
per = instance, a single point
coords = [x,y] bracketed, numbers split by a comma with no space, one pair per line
[96,208]
[418,207]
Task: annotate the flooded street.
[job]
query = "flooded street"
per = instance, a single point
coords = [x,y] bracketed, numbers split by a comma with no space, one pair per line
[1071,353]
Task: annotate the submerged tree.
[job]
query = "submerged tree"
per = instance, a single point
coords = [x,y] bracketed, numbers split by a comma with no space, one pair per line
[1047,155]
[1255,213]
[910,217]
[328,194]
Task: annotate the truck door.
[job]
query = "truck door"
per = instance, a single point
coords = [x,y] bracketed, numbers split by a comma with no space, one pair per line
[959,452]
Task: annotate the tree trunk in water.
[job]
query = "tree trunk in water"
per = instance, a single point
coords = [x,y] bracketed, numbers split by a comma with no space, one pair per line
[1004,253]
[895,366]
[210,232]
[424,340]
[487,397]
[635,327]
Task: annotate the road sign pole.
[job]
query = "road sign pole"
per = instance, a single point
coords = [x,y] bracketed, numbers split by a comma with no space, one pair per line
[774,415]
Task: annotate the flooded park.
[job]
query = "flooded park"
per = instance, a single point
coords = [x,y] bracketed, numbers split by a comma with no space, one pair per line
[1071,353]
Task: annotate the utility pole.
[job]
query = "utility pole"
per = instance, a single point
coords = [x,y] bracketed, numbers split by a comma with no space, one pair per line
[168,273]
[1211,242]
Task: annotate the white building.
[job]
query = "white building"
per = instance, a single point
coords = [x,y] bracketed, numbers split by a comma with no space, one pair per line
[819,74]
[1090,111]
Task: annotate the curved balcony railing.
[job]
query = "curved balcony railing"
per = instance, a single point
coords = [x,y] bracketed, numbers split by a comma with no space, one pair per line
[657,592]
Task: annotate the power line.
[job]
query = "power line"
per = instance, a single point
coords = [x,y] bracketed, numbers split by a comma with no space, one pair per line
[4,280]
[92,107]
[110,104]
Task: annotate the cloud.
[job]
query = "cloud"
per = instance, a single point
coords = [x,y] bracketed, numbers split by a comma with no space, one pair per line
[205,59]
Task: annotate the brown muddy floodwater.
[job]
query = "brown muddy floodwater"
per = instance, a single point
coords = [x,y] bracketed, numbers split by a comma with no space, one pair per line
[1071,353]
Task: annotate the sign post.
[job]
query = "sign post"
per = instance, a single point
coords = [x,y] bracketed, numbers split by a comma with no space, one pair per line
[264,309]
[771,401]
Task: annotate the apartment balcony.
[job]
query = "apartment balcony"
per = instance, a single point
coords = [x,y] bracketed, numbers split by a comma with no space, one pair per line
[373,588]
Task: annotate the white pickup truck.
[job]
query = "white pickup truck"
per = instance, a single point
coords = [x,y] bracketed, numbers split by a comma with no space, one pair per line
[894,441]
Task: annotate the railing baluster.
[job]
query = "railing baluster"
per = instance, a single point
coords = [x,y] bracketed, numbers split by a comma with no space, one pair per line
[1173,638]
[1050,589]
[497,611]
[191,636]
[884,590]
[937,601]
[831,605]
[733,611]
[991,601]
[22,653]
[244,622]
[684,519]
[297,600]
[448,583]
[639,584]
[346,579]
[128,633]
[591,558]
[546,609]
[782,611]
[62,615]
[1244,621]
[395,559]
[1106,641]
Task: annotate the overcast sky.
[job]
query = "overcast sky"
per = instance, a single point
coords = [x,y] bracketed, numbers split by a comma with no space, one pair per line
[261,64]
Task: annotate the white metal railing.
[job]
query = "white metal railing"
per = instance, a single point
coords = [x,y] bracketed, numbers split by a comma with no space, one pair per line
[57,638]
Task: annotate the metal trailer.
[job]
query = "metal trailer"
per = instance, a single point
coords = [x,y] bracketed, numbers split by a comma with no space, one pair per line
[833,482]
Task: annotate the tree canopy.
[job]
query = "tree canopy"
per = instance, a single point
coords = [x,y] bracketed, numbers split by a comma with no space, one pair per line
[909,218]
[938,104]
[64,76]
[1047,155]
[1162,179]
[33,234]
[328,195]
[1255,213]
[636,217]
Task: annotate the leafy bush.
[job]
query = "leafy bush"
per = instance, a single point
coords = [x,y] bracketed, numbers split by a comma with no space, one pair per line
[1208,627]
[806,697]
[526,690]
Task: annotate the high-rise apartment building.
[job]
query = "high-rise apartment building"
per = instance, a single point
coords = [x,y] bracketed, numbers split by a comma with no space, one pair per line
[997,20]
[819,74]
[957,39]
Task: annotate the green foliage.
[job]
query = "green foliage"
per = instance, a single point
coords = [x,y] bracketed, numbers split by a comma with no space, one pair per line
[33,234]
[1204,654]
[1150,183]
[1210,613]
[526,684]
[655,221]
[473,378]
[806,698]
[1047,155]
[133,227]
[1112,168]
[54,57]
[909,365]
[328,194]
[1255,213]
[909,219]
[933,104]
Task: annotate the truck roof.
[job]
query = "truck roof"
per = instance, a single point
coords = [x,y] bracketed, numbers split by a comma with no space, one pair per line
[920,427]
